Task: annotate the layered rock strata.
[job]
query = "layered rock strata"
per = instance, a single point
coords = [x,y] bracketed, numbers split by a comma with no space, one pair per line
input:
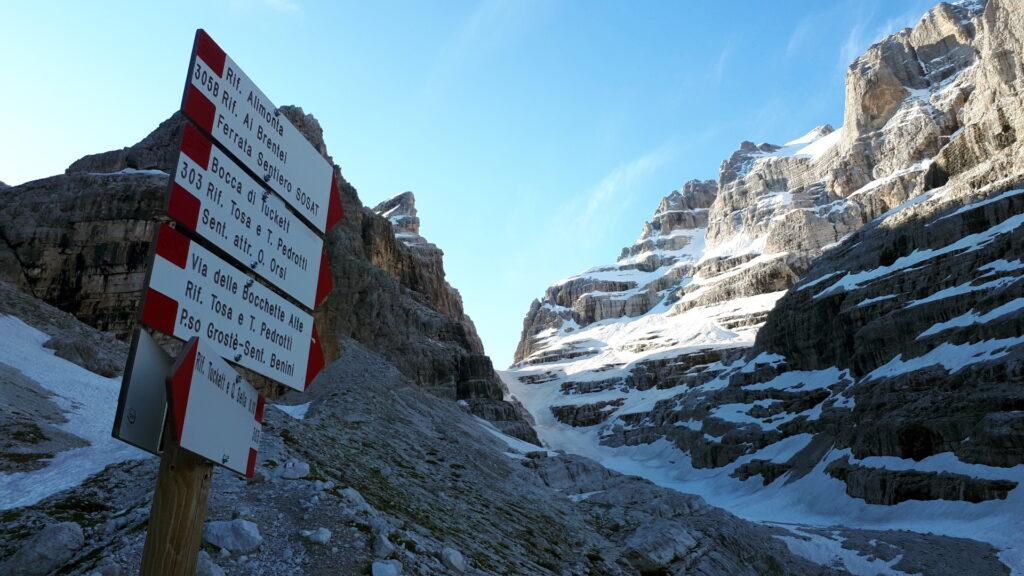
[848,335]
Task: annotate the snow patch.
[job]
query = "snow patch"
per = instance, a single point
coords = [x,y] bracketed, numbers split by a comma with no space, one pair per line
[952,357]
[297,411]
[88,400]
[127,171]
[974,317]
[854,280]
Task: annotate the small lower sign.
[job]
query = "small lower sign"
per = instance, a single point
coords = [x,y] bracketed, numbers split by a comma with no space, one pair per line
[216,413]
[142,405]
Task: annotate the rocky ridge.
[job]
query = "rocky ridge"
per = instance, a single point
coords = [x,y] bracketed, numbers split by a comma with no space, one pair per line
[848,336]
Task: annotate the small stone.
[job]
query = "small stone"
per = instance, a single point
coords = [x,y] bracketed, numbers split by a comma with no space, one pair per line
[386,568]
[295,469]
[353,496]
[45,552]
[237,536]
[379,525]
[382,547]
[207,567]
[288,553]
[318,536]
[224,553]
[453,559]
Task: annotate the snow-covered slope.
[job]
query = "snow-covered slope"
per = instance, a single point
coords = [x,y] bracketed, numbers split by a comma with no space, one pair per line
[884,391]
[88,402]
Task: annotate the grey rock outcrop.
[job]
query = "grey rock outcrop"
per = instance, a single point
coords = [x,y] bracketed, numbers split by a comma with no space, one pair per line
[47,551]
[207,567]
[157,151]
[453,560]
[237,536]
[401,212]
[883,486]
[386,568]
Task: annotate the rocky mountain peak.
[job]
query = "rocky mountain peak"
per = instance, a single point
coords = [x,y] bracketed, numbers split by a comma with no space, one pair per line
[922,58]
[685,208]
[400,210]
[742,160]
[695,194]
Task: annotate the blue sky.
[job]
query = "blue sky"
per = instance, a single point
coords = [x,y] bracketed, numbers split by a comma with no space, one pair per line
[537,135]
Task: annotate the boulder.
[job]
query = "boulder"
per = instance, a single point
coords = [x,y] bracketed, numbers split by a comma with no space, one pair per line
[386,568]
[207,567]
[382,547]
[46,552]
[295,469]
[318,536]
[236,536]
[453,559]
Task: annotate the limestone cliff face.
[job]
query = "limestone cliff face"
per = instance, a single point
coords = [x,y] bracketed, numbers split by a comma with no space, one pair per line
[80,242]
[851,326]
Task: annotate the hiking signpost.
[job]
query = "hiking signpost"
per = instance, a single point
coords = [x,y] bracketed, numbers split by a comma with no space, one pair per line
[235,275]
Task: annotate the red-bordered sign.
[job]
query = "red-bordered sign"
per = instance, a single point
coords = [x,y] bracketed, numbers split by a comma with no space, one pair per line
[194,293]
[216,413]
[217,199]
[227,104]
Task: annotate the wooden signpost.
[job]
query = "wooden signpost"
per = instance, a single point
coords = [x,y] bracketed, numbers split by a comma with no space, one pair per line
[236,277]
[227,104]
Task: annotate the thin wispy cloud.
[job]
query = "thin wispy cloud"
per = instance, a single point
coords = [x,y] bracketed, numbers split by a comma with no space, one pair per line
[592,213]
[491,25]
[719,66]
[864,34]
[798,39]
[853,46]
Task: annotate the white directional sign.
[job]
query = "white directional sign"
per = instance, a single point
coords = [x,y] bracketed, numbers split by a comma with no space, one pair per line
[192,292]
[226,103]
[214,197]
[217,414]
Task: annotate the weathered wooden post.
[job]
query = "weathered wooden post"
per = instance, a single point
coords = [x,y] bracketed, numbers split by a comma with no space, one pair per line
[179,508]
